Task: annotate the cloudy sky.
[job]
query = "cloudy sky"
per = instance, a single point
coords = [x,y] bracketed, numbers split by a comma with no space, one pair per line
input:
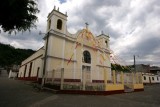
[133,26]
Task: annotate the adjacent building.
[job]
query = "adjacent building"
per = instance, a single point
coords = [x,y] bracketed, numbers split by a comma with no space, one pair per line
[150,74]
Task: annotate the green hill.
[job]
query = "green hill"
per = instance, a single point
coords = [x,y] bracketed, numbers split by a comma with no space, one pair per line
[9,55]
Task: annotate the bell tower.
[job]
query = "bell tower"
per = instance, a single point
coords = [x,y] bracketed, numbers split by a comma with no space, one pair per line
[56,26]
[103,40]
[56,21]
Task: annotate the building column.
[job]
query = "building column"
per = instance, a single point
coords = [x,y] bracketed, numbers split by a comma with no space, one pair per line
[114,77]
[122,77]
[141,80]
[132,78]
[105,77]
[63,55]
[84,79]
[137,79]
[74,65]
[62,78]
[53,73]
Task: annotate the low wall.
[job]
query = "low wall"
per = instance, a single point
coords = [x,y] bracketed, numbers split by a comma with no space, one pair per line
[111,87]
[138,86]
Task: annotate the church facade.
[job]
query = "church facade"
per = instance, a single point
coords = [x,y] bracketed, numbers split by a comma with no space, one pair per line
[79,59]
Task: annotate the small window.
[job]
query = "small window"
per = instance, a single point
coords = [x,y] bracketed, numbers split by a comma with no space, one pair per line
[49,24]
[106,42]
[152,78]
[157,78]
[59,24]
[144,77]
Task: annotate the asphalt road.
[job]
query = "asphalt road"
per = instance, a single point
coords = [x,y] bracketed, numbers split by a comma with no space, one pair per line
[15,93]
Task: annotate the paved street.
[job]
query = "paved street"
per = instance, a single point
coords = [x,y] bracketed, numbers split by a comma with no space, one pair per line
[14,93]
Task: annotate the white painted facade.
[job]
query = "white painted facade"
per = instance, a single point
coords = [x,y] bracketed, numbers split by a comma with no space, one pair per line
[149,78]
[82,58]
[12,74]
[32,66]
[66,51]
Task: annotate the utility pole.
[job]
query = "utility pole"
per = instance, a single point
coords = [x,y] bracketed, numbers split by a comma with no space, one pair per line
[45,60]
[134,63]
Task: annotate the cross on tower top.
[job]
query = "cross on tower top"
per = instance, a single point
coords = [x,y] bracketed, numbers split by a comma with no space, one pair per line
[102,32]
[86,25]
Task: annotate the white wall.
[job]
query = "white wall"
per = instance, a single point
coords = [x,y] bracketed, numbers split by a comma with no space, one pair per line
[146,80]
[153,79]
[12,74]
[36,60]
[157,79]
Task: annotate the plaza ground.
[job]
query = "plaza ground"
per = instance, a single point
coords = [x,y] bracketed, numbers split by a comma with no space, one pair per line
[15,93]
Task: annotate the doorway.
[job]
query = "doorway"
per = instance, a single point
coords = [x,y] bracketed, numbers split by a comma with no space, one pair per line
[150,80]
[87,73]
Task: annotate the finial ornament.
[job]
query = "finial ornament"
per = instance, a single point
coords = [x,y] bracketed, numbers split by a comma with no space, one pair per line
[102,32]
[86,25]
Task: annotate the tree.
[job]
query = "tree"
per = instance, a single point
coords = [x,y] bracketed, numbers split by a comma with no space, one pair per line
[9,55]
[18,15]
[118,67]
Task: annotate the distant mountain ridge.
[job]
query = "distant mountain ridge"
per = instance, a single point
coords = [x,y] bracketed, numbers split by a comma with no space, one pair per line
[9,55]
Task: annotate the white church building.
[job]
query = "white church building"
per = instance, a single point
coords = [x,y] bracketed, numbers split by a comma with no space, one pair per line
[79,61]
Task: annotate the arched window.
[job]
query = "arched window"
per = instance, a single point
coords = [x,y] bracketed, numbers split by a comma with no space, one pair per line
[106,42]
[49,24]
[87,57]
[59,24]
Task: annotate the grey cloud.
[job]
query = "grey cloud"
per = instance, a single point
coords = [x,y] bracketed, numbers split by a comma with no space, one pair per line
[33,34]
[142,15]
[88,13]
[114,12]
[143,49]
[147,46]
[25,39]
[96,3]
